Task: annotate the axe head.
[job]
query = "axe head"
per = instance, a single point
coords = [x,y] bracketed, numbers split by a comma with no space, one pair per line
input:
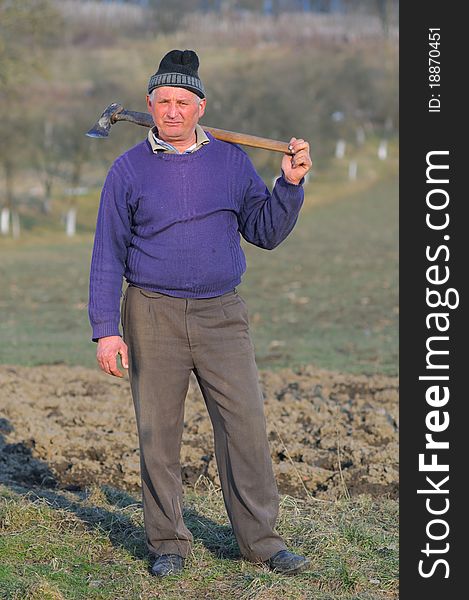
[102,126]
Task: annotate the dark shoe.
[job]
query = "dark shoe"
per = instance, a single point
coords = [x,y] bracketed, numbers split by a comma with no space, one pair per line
[288,563]
[167,564]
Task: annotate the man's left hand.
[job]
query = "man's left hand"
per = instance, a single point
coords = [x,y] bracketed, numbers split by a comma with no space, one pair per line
[295,167]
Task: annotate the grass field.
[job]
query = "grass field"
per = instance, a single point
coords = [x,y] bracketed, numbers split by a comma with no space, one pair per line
[90,545]
[327,295]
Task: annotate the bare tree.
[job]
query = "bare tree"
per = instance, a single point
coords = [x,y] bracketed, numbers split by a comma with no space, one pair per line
[26,30]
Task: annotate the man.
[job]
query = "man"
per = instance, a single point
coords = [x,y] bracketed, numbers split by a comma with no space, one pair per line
[171,214]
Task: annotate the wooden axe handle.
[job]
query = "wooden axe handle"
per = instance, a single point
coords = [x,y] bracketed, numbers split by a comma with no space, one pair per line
[248,140]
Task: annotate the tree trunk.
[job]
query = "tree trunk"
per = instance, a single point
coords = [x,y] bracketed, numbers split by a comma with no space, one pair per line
[8,209]
[383,10]
[15,225]
[383,150]
[47,202]
[5,221]
[71,221]
[352,170]
[8,166]
[340,149]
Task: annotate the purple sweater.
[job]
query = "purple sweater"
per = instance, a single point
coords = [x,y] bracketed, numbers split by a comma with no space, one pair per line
[171,223]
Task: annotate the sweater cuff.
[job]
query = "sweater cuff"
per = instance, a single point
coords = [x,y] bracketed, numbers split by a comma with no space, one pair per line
[105,330]
[294,185]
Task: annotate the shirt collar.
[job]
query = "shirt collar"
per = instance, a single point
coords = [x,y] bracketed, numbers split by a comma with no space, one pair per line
[158,145]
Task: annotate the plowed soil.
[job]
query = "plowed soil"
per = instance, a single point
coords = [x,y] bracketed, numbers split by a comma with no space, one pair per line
[331,434]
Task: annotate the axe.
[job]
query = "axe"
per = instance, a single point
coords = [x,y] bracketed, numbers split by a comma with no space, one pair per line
[116,112]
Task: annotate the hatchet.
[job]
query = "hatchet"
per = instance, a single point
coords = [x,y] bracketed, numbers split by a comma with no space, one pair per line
[116,112]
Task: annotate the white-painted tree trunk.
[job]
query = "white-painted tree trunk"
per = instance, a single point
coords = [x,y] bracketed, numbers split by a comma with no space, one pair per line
[71,222]
[340,149]
[383,150]
[352,170]
[5,221]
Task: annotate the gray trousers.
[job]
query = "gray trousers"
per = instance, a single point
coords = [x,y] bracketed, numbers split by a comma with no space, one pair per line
[168,338]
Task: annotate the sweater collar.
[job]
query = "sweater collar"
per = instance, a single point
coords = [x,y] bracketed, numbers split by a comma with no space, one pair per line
[158,145]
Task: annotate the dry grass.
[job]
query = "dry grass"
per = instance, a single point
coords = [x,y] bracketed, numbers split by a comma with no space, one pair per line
[57,544]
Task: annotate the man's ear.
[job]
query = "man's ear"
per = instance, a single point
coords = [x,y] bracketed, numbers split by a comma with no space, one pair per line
[148,99]
[202,105]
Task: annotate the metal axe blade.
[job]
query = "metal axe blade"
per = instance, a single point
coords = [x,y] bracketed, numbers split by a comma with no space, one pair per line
[103,125]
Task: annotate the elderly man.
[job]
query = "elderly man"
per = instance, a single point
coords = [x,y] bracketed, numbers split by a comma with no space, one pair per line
[171,214]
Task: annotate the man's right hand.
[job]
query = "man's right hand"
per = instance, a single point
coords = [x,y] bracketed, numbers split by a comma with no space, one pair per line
[106,354]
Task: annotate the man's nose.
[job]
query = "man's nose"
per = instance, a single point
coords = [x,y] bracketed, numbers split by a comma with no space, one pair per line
[172,110]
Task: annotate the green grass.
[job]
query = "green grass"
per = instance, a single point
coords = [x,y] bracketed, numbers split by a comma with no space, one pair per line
[90,545]
[327,295]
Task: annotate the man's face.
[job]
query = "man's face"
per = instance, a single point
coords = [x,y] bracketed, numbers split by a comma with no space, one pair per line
[175,112]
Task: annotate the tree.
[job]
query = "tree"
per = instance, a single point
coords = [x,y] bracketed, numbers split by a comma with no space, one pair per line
[27,29]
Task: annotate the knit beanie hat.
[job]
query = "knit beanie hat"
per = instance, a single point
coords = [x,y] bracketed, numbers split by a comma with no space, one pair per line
[178,69]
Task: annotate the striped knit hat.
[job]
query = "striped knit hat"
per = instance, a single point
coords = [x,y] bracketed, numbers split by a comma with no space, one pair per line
[178,69]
